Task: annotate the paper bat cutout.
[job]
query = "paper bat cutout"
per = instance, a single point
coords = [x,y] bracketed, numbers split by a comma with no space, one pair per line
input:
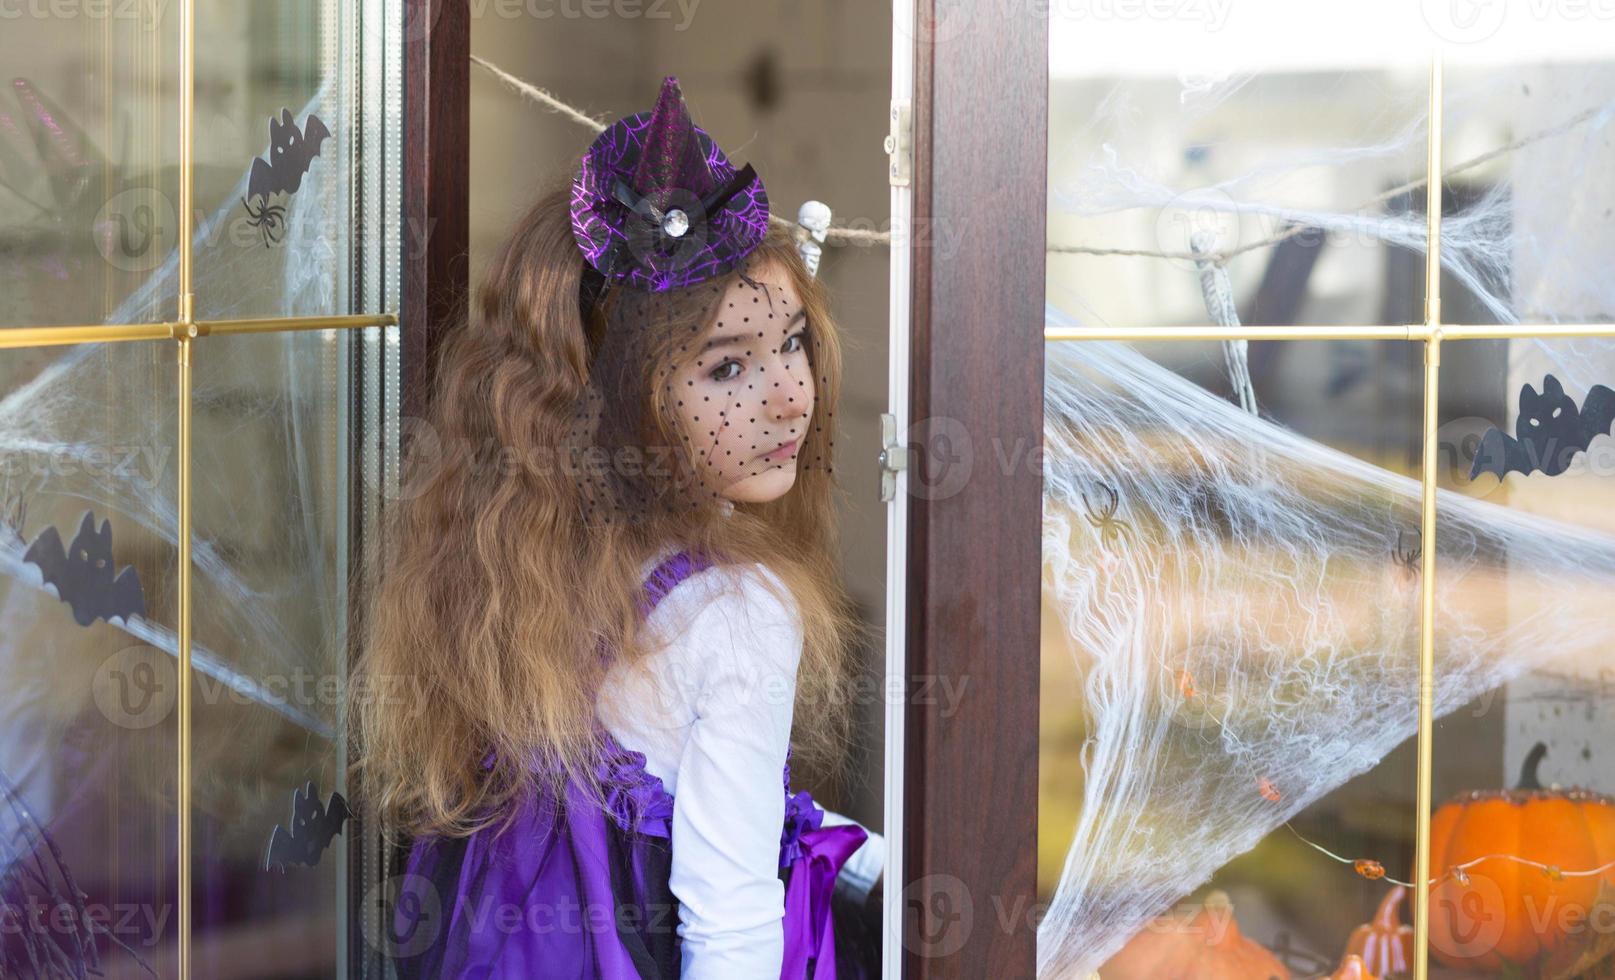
[291,153]
[312,828]
[82,574]
[1549,432]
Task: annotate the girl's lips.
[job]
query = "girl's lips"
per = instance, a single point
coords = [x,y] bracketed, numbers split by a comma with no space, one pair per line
[782,452]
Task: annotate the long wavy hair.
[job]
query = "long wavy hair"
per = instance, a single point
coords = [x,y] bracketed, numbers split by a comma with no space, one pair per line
[488,593]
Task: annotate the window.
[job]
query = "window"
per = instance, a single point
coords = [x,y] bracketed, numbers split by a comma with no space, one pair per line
[1259,682]
[202,212]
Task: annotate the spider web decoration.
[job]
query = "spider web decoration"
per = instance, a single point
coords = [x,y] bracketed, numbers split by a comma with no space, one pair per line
[1239,602]
[1275,587]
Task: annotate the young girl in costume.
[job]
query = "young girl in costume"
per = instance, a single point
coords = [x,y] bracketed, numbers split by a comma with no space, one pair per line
[615,573]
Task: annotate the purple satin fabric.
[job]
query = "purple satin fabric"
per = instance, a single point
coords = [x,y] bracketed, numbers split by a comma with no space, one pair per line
[574,891]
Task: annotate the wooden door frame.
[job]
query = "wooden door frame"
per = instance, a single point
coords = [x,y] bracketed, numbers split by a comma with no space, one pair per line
[437,186]
[980,143]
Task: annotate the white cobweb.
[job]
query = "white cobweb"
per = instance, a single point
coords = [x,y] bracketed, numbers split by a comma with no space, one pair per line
[1240,602]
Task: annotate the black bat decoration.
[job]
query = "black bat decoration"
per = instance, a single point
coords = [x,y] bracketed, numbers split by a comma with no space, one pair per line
[311,831]
[1549,432]
[82,574]
[291,153]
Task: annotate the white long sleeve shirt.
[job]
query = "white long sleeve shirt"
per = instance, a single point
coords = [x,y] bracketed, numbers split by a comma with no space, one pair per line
[711,711]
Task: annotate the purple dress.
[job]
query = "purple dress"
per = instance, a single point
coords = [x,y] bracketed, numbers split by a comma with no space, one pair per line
[574,891]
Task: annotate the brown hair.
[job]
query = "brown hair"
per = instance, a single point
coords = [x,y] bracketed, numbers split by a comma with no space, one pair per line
[491,591]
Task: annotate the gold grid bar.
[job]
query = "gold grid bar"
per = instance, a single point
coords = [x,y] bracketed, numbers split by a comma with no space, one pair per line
[184,679]
[1432,333]
[185,332]
[1427,537]
[282,324]
[1417,332]
[13,337]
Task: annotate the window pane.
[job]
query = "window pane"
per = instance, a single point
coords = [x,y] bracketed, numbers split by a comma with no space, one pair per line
[296,103]
[1524,574]
[1229,672]
[269,609]
[88,750]
[1526,240]
[1230,631]
[1299,175]
[89,161]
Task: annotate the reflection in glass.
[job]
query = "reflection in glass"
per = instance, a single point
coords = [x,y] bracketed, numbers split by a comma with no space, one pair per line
[277,111]
[268,603]
[89,158]
[87,661]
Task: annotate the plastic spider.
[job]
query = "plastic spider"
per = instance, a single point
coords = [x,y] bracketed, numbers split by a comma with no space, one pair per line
[269,219]
[1407,556]
[1111,528]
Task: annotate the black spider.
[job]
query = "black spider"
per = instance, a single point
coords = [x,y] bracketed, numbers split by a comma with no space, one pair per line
[1408,556]
[269,219]
[1111,528]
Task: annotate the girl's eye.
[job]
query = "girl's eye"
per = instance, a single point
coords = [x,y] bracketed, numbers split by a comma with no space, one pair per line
[716,374]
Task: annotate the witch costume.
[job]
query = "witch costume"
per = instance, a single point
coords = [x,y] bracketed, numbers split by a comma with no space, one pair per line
[571,890]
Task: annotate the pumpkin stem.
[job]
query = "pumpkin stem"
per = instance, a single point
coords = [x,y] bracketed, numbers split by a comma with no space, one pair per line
[1388,915]
[1528,774]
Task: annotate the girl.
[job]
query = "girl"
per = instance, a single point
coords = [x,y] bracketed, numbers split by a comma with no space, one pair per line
[625,609]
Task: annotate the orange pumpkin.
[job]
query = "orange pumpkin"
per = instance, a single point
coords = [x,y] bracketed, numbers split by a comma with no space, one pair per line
[1386,943]
[1501,912]
[1352,968]
[1205,946]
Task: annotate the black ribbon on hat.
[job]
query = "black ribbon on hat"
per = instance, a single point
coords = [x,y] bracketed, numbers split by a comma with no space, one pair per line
[642,206]
[594,282]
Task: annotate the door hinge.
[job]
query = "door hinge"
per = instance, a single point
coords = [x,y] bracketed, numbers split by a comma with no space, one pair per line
[893,457]
[900,144]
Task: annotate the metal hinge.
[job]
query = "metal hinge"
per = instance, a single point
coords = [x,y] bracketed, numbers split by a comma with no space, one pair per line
[893,457]
[900,144]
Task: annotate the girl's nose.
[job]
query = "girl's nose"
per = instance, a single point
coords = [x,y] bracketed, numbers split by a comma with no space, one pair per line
[791,399]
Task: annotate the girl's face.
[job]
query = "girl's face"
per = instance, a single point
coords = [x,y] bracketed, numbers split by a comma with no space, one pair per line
[744,402]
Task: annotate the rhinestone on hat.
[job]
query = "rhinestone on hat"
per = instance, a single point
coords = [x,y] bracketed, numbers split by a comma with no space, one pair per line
[675,223]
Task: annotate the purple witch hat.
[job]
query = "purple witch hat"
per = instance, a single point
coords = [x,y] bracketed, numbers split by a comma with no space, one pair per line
[657,205]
